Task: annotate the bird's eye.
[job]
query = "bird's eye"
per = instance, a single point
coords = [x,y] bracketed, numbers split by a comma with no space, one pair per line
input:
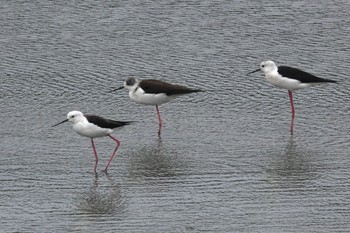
[130,82]
[262,66]
[73,116]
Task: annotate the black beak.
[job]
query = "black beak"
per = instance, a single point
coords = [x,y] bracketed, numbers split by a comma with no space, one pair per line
[254,71]
[116,89]
[60,122]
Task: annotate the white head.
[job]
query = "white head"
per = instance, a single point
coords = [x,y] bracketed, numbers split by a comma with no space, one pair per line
[73,116]
[268,66]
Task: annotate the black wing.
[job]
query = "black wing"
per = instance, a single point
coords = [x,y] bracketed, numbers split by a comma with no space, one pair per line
[152,86]
[106,123]
[300,75]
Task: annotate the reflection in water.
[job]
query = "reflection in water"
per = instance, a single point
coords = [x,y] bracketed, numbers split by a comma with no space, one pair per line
[294,163]
[102,200]
[292,126]
[154,161]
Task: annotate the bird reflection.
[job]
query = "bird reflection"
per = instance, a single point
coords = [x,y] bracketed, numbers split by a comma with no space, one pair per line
[293,163]
[102,199]
[154,161]
[292,126]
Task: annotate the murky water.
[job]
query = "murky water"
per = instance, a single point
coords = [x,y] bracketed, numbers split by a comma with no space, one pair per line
[226,161]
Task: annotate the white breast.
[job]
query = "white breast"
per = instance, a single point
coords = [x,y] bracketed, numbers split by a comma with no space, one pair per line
[141,97]
[91,130]
[290,84]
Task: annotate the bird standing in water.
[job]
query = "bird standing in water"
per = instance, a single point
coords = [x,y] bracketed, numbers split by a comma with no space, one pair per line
[92,126]
[154,92]
[289,78]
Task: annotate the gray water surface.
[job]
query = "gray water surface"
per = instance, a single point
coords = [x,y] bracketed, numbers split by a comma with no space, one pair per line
[226,161]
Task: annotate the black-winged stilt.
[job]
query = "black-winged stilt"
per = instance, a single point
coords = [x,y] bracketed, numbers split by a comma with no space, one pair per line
[92,126]
[289,78]
[154,92]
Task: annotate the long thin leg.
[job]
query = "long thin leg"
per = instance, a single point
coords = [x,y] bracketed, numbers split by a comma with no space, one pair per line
[293,112]
[159,120]
[115,150]
[93,146]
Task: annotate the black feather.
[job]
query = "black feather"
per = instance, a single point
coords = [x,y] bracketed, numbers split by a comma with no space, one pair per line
[300,75]
[152,86]
[106,123]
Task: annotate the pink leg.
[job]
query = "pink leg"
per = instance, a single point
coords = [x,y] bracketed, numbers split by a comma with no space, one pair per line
[159,120]
[93,146]
[293,112]
[115,150]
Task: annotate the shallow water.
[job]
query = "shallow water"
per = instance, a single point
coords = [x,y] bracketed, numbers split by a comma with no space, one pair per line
[226,161]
